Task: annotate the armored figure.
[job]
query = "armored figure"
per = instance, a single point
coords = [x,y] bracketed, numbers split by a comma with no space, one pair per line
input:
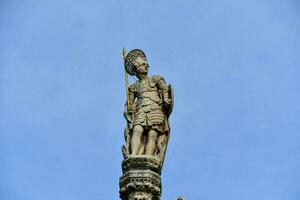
[148,107]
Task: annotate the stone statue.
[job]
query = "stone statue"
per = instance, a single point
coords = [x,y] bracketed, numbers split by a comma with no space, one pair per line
[148,107]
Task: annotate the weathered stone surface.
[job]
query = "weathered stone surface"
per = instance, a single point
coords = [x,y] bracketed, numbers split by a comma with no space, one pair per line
[147,110]
[140,179]
[141,162]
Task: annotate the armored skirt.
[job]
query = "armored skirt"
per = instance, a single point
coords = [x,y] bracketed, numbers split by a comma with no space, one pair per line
[153,119]
[148,106]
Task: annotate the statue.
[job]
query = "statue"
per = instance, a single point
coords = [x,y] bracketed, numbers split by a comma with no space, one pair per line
[148,107]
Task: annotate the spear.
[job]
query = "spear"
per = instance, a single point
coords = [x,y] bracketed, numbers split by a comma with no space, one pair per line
[126,77]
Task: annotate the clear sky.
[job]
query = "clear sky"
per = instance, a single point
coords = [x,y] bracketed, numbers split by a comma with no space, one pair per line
[235,68]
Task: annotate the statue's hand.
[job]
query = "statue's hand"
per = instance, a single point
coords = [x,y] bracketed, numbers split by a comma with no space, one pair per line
[166,103]
[128,108]
[129,111]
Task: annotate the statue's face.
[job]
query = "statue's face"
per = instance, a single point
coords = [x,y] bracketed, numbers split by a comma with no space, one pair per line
[141,66]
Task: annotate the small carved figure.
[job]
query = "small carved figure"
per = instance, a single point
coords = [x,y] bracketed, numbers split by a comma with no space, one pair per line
[148,107]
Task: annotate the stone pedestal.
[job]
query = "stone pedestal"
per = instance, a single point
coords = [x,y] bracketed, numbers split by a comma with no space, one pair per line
[140,179]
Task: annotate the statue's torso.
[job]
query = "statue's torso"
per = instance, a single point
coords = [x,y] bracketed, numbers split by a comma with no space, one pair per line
[147,95]
[148,103]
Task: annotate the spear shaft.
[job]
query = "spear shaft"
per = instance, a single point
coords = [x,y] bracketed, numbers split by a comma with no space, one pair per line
[126,78]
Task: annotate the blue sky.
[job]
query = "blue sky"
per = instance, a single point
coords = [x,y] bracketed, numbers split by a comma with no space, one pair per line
[235,69]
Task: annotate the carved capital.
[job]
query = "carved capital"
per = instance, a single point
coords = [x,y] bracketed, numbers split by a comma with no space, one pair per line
[141,163]
[140,179]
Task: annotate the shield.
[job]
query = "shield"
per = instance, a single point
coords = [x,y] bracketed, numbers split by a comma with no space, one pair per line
[171,96]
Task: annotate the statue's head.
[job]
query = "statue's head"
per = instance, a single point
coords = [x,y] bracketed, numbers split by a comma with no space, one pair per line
[141,66]
[136,63]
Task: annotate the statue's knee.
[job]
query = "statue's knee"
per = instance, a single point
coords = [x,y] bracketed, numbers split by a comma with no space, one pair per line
[152,135]
[138,130]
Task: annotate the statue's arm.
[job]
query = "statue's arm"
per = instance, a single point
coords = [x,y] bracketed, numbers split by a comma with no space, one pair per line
[129,106]
[131,97]
[162,86]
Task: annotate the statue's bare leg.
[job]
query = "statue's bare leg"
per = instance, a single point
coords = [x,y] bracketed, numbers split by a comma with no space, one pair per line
[151,143]
[160,146]
[136,139]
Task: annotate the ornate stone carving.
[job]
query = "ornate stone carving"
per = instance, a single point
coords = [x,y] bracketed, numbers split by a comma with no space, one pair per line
[148,107]
[147,110]
[141,162]
[140,181]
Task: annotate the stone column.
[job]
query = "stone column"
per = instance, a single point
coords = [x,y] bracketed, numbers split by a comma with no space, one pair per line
[141,178]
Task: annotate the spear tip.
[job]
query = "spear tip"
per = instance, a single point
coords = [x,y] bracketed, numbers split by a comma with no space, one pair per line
[124,53]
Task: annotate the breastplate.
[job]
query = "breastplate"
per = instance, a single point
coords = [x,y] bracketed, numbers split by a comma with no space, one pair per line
[147,95]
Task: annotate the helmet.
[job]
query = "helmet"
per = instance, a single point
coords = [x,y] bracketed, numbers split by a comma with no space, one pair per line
[130,58]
